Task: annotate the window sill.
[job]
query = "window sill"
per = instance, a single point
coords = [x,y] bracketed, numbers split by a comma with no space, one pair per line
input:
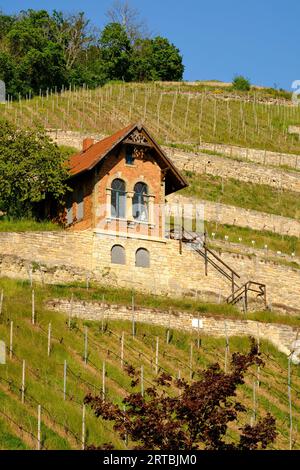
[116,219]
[131,223]
[142,222]
[104,233]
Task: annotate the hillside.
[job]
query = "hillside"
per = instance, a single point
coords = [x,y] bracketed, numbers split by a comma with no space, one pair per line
[250,194]
[176,113]
[265,389]
[211,133]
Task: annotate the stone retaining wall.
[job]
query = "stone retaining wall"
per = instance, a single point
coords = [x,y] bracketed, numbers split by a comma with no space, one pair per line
[216,164]
[68,256]
[229,168]
[233,215]
[262,157]
[283,337]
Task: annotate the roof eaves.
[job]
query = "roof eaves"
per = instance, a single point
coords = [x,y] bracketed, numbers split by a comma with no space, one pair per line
[168,160]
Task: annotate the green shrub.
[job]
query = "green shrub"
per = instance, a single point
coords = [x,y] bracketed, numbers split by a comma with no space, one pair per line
[241,83]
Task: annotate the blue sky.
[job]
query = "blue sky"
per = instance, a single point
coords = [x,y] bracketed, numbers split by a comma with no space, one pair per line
[218,39]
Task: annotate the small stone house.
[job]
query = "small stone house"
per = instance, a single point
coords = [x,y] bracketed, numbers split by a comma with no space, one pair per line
[119,187]
[118,230]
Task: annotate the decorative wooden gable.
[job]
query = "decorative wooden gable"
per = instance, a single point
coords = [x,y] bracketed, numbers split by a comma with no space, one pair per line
[139,143]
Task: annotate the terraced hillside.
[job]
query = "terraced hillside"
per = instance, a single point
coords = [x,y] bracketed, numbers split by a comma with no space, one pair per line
[86,346]
[251,197]
[255,224]
[176,113]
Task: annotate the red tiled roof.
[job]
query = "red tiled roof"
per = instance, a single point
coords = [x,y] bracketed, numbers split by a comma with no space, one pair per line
[86,160]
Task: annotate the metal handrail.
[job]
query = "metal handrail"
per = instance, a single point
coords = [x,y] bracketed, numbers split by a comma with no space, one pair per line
[242,290]
[221,261]
[216,266]
[210,251]
[202,249]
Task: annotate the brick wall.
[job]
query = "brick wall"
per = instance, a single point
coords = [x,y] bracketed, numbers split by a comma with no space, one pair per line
[97,182]
[142,170]
[86,183]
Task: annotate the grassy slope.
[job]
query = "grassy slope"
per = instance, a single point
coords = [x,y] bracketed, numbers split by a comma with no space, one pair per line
[61,427]
[25,225]
[275,242]
[163,107]
[175,113]
[8,439]
[122,296]
[253,196]
[173,116]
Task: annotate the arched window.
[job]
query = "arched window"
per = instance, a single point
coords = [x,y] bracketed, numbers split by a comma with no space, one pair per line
[142,258]
[118,199]
[118,254]
[140,202]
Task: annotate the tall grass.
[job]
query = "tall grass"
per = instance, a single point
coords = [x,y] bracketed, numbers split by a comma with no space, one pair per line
[26,225]
[245,236]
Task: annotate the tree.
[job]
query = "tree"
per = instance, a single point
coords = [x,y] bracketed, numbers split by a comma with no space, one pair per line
[32,30]
[8,73]
[31,168]
[167,61]
[40,50]
[157,59]
[129,18]
[115,52]
[142,67]
[196,419]
[6,22]
[35,52]
[241,83]
[73,34]
[43,69]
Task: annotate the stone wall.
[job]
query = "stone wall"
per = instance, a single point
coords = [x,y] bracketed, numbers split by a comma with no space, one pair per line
[282,336]
[91,252]
[233,215]
[283,282]
[229,168]
[71,138]
[65,256]
[261,157]
[263,253]
[61,248]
